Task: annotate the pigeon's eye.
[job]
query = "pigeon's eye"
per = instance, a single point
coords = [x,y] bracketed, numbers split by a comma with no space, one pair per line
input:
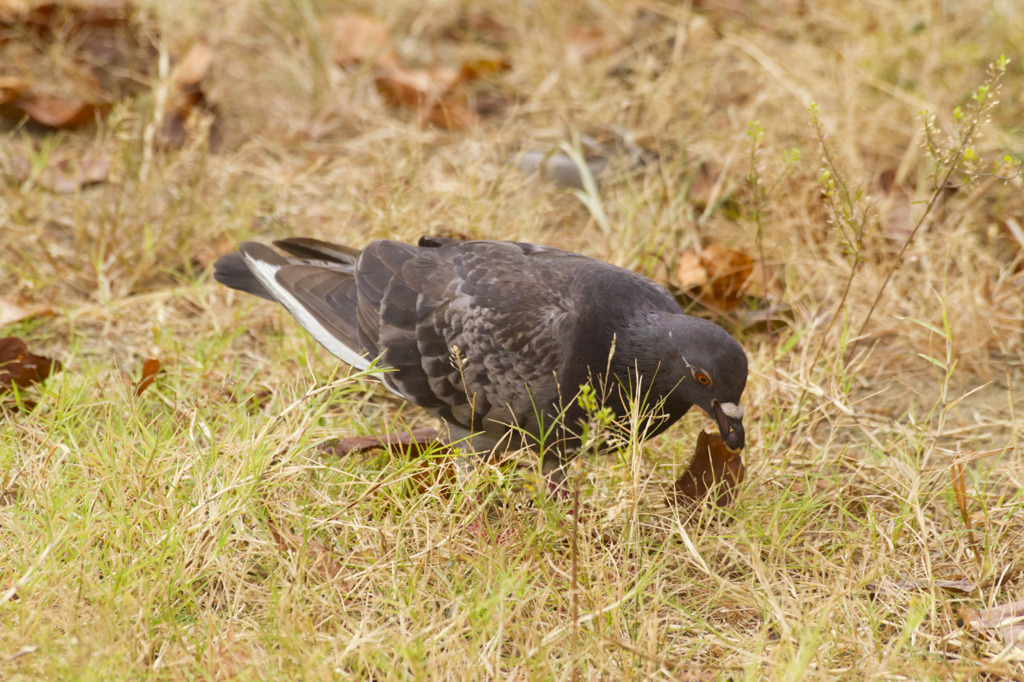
[702,378]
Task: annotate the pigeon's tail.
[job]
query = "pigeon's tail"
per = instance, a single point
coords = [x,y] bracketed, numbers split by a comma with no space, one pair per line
[318,288]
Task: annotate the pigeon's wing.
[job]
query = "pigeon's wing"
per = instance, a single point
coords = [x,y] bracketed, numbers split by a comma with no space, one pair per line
[231,271]
[314,251]
[477,332]
[319,290]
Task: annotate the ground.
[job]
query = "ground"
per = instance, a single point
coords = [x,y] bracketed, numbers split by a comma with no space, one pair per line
[862,157]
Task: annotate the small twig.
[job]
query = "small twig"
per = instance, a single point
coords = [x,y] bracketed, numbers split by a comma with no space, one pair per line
[960,492]
[985,98]
[898,261]
[574,605]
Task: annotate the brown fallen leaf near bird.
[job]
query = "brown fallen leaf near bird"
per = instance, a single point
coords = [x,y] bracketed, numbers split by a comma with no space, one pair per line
[21,367]
[714,470]
[495,337]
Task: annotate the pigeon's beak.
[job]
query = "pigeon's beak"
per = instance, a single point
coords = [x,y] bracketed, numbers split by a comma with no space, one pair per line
[730,424]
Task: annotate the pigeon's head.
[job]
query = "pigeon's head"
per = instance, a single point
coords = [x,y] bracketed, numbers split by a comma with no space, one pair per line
[709,370]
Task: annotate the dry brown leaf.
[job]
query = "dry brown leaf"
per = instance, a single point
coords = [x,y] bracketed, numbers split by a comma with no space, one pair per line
[73,58]
[404,441]
[356,39]
[450,115]
[12,312]
[586,43]
[414,88]
[1007,620]
[963,586]
[11,88]
[93,11]
[483,67]
[718,277]
[193,67]
[714,468]
[150,368]
[434,476]
[437,478]
[895,210]
[321,560]
[704,184]
[57,112]
[426,90]
[68,176]
[690,271]
[894,587]
[186,93]
[478,27]
[65,173]
[71,17]
[20,366]
[724,10]
[9,495]
[15,11]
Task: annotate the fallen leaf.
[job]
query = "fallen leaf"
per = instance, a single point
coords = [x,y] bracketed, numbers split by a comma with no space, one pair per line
[57,112]
[11,88]
[1007,620]
[450,115]
[321,560]
[426,90]
[10,494]
[102,12]
[962,586]
[483,67]
[150,368]
[357,39]
[584,44]
[193,67]
[690,271]
[413,88]
[724,10]
[703,184]
[9,593]
[186,93]
[478,27]
[890,587]
[717,276]
[714,468]
[436,476]
[65,172]
[405,441]
[491,103]
[895,209]
[73,58]
[19,366]
[70,175]
[226,656]
[11,312]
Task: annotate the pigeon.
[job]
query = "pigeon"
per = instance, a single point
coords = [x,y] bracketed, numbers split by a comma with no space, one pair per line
[496,338]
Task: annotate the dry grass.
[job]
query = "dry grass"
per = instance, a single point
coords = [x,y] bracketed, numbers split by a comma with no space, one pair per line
[191,532]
